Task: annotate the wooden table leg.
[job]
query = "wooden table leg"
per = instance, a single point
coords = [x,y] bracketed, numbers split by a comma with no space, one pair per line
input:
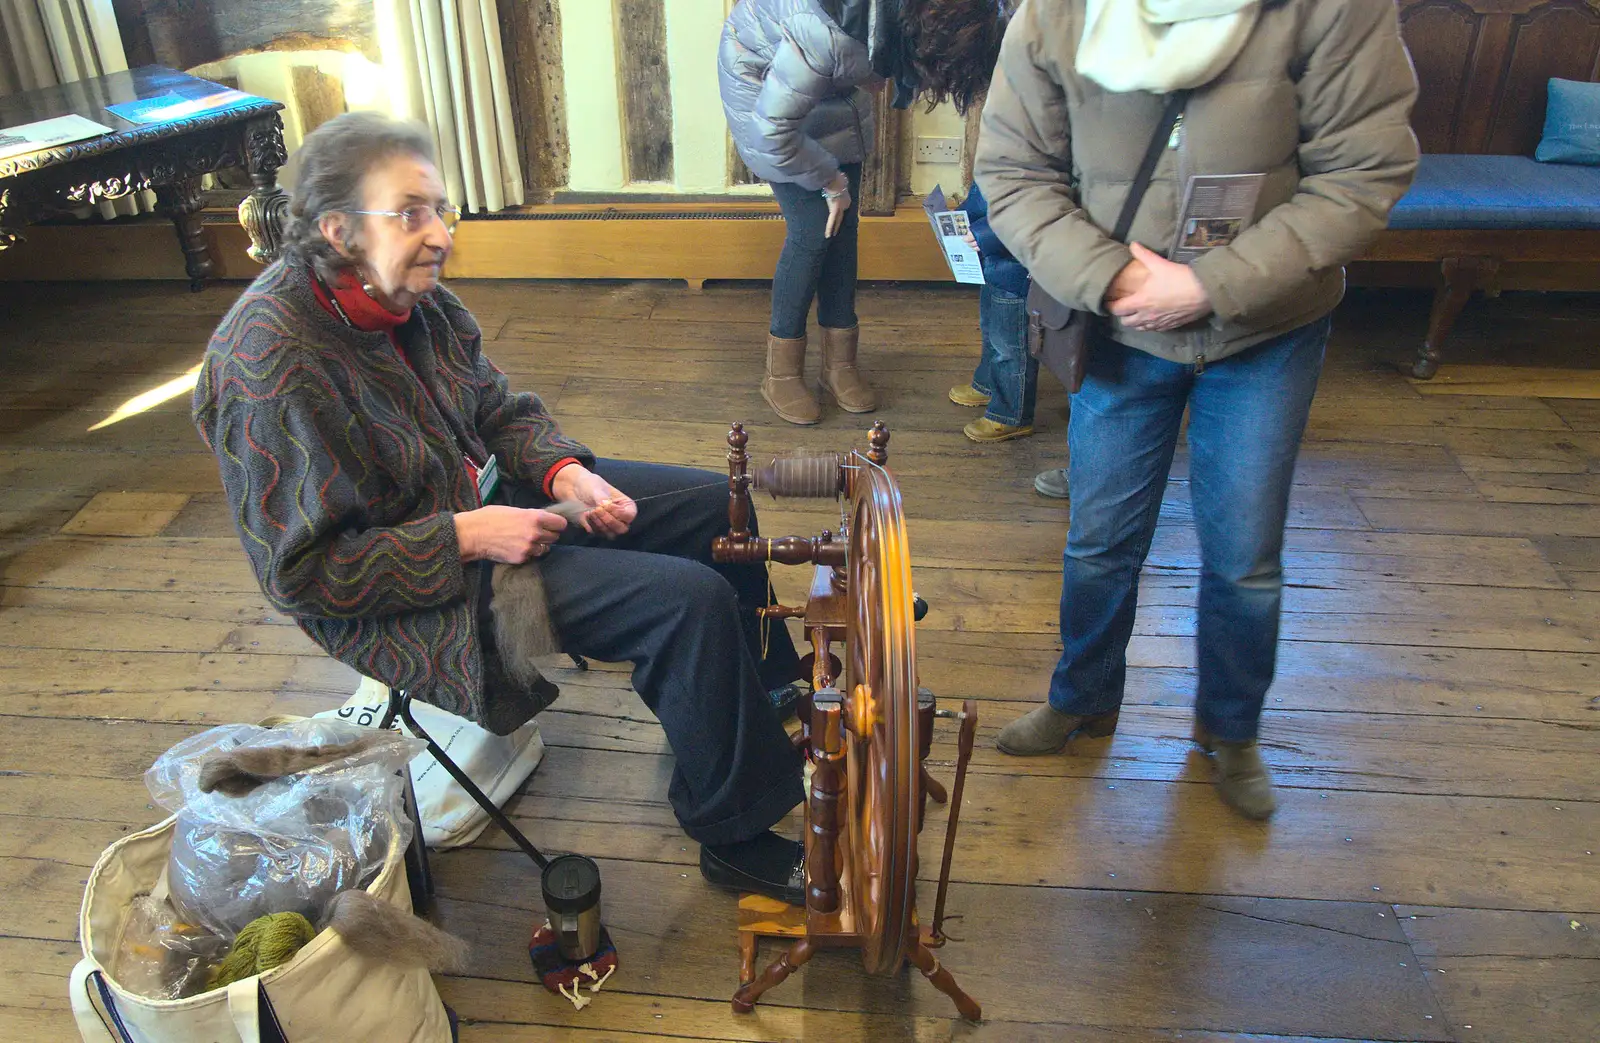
[934,971]
[265,211]
[181,202]
[12,218]
[798,955]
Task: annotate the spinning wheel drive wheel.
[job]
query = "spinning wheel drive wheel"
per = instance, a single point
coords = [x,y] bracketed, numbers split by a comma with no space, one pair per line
[866,731]
[880,718]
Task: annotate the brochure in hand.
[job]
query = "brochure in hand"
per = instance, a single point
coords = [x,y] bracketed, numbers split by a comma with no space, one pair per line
[951,228]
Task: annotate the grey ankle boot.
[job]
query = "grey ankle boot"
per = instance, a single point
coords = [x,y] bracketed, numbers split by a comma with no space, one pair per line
[1241,776]
[1044,730]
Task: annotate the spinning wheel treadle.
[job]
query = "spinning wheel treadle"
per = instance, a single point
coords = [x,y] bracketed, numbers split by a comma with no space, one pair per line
[867,733]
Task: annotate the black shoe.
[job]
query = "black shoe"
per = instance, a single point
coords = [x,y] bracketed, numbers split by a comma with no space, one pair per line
[766,865]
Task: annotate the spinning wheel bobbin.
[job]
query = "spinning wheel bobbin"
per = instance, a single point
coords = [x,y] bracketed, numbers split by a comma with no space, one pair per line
[867,732]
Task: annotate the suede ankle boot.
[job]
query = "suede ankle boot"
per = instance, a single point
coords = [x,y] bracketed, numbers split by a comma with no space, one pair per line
[1044,730]
[784,386]
[840,377]
[1241,775]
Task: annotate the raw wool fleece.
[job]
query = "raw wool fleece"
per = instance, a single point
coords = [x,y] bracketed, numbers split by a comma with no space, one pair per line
[381,930]
[523,632]
[239,771]
[344,475]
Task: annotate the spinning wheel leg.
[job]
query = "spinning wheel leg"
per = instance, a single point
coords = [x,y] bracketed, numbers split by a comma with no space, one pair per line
[747,957]
[934,971]
[933,788]
[799,954]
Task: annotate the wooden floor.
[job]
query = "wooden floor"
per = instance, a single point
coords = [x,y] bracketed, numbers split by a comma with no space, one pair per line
[1433,873]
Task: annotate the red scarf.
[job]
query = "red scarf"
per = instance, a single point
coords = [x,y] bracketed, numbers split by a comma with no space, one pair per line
[357,306]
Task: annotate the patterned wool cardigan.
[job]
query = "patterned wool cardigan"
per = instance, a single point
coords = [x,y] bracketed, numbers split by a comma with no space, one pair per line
[344,476]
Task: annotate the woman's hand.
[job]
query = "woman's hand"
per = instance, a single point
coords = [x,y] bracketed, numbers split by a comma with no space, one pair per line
[1169,297]
[509,535]
[610,512]
[972,241]
[837,193]
[1133,275]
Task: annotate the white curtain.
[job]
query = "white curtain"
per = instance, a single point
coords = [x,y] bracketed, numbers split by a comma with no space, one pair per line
[46,42]
[450,73]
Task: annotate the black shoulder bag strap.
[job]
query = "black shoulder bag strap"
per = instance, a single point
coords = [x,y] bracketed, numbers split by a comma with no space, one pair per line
[1152,156]
[1057,334]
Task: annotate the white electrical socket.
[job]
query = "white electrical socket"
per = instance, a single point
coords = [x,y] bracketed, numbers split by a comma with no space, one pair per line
[938,150]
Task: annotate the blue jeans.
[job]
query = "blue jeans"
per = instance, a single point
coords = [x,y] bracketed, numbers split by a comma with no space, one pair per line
[1247,414]
[1006,372]
[813,266]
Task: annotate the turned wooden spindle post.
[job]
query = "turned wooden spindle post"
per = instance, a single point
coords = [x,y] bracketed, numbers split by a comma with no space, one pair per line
[827,785]
[878,439]
[738,485]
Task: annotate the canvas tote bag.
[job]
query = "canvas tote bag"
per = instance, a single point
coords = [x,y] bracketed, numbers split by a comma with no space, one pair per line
[327,994]
[499,764]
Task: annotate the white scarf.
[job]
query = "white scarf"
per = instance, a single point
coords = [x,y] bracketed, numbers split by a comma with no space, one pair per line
[1162,45]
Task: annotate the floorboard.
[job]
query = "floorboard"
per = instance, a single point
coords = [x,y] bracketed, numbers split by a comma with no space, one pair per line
[1434,725]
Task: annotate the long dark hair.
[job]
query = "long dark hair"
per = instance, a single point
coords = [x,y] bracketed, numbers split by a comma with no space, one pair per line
[946,49]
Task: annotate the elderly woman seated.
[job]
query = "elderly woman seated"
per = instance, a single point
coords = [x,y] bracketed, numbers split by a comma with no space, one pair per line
[360,430]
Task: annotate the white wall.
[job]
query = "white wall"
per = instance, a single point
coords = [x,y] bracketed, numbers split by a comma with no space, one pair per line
[594,104]
[942,122]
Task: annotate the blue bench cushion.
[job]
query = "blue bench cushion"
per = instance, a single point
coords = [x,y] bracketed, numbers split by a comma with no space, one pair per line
[1508,192]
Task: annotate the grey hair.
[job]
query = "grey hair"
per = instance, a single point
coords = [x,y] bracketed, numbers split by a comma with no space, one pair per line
[332,161]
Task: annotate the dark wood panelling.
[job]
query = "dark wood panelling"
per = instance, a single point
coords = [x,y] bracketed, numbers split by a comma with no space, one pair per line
[1440,35]
[646,88]
[738,173]
[530,35]
[1483,66]
[186,33]
[1560,39]
[880,173]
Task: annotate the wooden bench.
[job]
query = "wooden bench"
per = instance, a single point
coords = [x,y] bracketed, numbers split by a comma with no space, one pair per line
[1482,210]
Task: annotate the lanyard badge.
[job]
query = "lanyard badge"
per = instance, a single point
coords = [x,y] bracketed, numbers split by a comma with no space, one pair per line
[488,479]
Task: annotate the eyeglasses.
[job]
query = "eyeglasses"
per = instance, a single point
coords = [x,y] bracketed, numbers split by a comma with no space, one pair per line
[415,218]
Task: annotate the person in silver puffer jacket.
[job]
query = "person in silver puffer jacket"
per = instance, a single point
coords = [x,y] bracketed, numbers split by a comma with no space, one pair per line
[791,73]
[795,77]
[791,80]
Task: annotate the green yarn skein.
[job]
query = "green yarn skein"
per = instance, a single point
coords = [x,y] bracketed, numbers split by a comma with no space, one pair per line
[266,942]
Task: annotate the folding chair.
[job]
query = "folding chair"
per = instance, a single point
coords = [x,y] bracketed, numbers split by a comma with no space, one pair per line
[417,869]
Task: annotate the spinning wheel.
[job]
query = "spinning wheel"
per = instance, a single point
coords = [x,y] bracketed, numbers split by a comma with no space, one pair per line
[882,769]
[866,733]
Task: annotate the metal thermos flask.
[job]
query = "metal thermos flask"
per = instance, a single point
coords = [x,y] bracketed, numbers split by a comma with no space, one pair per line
[571,886]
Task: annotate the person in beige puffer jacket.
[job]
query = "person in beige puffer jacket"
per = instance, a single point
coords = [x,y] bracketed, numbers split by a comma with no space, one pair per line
[1315,95]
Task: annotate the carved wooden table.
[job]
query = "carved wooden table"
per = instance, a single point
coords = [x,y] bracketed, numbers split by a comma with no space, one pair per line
[169,157]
